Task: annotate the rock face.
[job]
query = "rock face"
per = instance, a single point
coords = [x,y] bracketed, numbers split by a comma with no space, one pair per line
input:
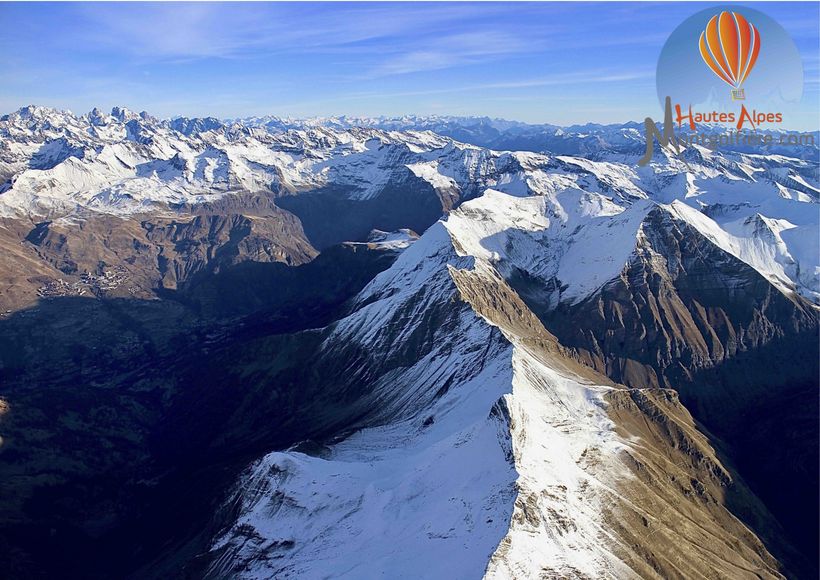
[677,473]
[111,256]
[687,315]
[225,352]
[680,306]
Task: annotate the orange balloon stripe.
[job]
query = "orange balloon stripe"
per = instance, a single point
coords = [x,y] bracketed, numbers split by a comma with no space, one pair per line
[729,46]
[745,37]
[713,42]
[755,50]
[710,62]
[728,43]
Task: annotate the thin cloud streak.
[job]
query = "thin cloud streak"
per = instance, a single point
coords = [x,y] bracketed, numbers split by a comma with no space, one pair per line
[588,77]
[531,61]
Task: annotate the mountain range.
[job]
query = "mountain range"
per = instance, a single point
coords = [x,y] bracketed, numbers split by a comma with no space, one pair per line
[432,347]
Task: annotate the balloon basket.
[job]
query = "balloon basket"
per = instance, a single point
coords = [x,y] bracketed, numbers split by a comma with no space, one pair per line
[739,95]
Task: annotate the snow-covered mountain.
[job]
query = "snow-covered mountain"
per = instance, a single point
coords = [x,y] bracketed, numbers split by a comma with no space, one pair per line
[486,449]
[55,164]
[588,140]
[125,163]
[429,357]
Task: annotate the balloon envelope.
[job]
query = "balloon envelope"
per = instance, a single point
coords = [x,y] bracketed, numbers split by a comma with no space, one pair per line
[729,46]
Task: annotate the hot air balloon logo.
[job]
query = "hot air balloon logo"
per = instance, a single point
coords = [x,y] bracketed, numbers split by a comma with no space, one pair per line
[729,46]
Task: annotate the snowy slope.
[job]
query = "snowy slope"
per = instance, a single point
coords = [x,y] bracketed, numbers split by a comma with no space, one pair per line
[490,454]
[55,162]
[761,208]
[432,491]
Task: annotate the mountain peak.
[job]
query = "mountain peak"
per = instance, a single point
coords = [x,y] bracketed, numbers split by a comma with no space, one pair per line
[97,117]
[36,112]
[123,114]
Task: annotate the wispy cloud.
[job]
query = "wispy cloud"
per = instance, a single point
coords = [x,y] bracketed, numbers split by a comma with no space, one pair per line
[453,50]
[566,79]
[214,30]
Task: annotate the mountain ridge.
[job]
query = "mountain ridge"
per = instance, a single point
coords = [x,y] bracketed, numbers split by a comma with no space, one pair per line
[512,363]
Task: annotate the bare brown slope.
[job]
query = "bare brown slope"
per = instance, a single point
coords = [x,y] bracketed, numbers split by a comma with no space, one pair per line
[680,307]
[678,524]
[103,255]
[671,520]
[685,314]
[19,268]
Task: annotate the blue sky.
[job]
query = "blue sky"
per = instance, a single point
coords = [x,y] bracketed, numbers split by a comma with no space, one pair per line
[557,62]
